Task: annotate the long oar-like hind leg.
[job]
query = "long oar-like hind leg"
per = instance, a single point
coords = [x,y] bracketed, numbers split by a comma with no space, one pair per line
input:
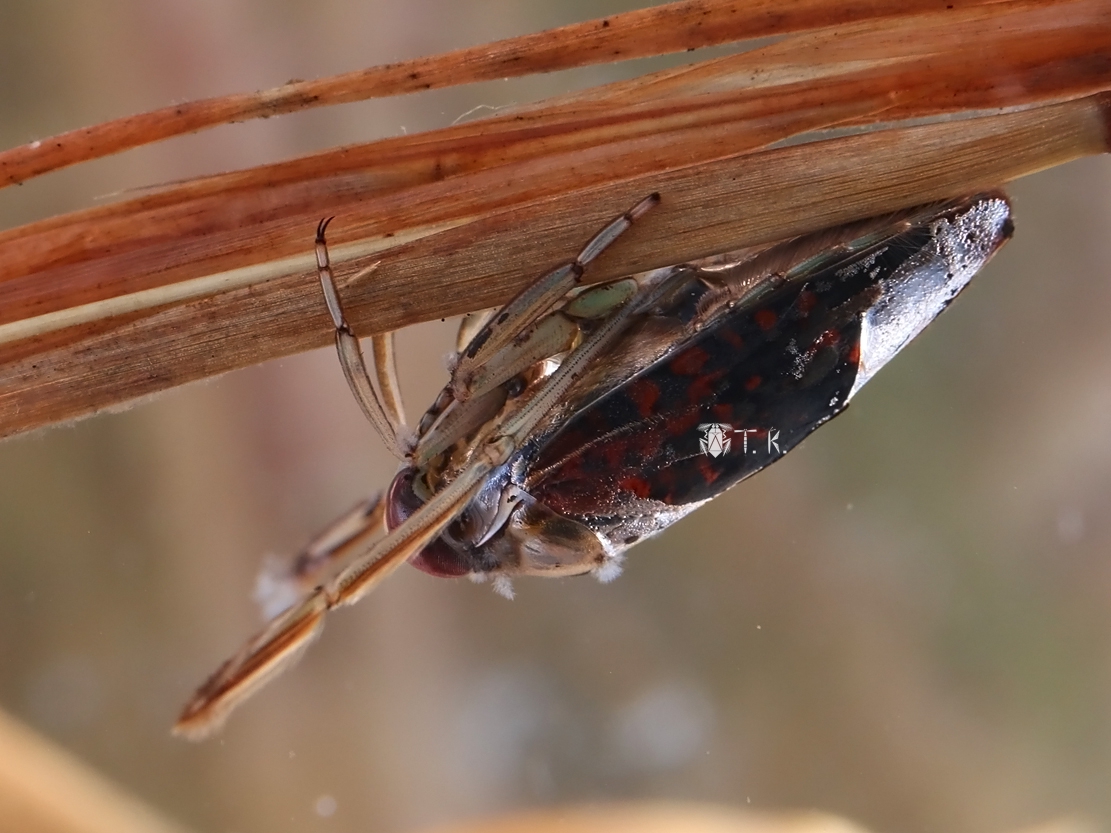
[282,583]
[281,642]
[383,406]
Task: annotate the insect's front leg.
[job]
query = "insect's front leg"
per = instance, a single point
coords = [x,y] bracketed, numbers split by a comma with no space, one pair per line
[383,406]
[281,584]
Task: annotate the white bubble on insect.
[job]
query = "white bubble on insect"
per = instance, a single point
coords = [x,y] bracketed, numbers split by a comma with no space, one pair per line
[325,806]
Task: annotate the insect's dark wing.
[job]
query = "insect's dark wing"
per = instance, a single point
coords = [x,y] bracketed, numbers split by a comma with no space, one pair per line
[772,367]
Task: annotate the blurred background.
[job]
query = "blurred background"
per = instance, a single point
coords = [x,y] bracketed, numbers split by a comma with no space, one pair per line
[906,621]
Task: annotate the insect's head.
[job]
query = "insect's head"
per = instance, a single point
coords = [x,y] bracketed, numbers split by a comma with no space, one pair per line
[502,533]
[437,558]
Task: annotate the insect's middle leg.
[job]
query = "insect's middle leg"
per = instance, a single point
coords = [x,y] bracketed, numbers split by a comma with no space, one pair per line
[495,347]
[538,298]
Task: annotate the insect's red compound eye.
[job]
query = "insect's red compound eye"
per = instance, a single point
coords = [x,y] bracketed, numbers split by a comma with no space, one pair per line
[436,559]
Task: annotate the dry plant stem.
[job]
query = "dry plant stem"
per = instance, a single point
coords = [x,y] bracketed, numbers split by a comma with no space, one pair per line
[674,27]
[119,301]
[398,189]
[1016,32]
[706,209]
[43,789]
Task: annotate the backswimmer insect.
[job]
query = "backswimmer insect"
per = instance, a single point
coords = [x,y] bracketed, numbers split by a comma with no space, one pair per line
[579,421]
